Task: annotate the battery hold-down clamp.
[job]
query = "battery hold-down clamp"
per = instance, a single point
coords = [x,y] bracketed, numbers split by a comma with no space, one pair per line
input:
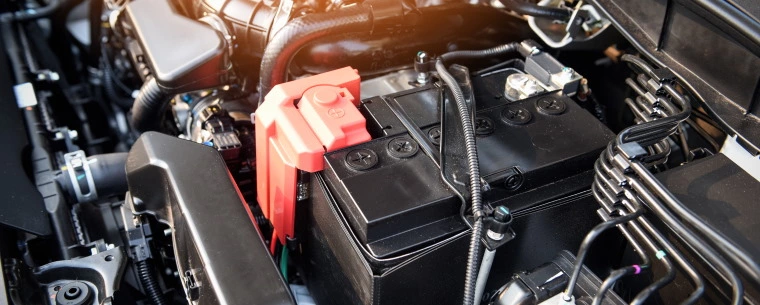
[295,125]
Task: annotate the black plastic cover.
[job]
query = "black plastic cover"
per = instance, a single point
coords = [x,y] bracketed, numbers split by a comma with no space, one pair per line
[21,204]
[724,196]
[183,54]
[187,186]
[712,45]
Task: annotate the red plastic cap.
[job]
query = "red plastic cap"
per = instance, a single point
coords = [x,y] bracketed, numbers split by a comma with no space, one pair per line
[293,137]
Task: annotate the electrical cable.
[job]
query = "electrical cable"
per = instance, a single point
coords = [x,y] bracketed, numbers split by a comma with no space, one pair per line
[535,10]
[472,157]
[475,187]
[615,276]
[284,263]
[586,245]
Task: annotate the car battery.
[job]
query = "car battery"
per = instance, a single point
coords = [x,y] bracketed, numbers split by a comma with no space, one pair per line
[385,216]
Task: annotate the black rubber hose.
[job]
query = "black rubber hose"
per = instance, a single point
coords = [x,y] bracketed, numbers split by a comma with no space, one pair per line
[109,173]
[301,31]
[150,284]
[535,10]
[149,106]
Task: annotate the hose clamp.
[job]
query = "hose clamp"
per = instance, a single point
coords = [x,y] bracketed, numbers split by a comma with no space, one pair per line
[80,176]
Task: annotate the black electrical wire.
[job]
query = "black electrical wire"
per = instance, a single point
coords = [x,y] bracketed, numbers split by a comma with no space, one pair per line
[586,245]
[696,278]
[475,187]
[707,119]
[684,143]
[614,276]
[535,10]
[473,166]
[148,279]
[480,54]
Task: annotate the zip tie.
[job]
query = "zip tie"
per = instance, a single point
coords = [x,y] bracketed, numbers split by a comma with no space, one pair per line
[661,254]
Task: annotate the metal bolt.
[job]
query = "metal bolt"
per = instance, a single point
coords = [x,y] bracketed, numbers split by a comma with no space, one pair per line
[513,182]
[435,135]
[516,115]
[551,105]
[73,134]
[422,57]
[402,147]
[361,159]
[483,126]
[568,73]
[420,60]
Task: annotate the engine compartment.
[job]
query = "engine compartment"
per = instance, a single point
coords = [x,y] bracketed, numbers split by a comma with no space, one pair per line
[379,152]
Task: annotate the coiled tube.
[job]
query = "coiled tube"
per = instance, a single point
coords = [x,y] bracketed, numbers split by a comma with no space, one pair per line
[472,157]
[475,187]
[149,106]
[148,280]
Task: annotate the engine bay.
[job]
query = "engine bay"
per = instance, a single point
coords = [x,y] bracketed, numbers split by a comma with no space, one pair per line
[380,152]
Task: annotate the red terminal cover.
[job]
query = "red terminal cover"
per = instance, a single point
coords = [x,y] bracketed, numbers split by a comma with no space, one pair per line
[292,137]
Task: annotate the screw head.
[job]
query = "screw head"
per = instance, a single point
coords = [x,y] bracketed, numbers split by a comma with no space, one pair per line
[361,159]
[551,105]
[483,126]
[402,147]
[435,135]
[516,115]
